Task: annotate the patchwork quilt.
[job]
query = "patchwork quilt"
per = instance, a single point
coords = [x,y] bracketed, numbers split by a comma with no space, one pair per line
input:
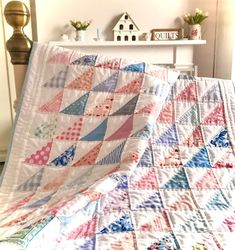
[109,153]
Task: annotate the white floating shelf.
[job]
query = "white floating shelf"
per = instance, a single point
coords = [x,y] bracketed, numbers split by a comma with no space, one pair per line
[125,44]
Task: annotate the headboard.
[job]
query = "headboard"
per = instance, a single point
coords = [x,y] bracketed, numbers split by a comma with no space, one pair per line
[19,45]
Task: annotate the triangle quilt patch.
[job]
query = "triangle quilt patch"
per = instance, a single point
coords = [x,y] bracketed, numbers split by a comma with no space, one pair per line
[138,67]
[133,87]
[40,202]
[148,109]
[207,181]
[110,64]
[144,133]
[128,108]
[216,117]
[168,137]
[85,230]
[153,201]
[65,158]
[86,60]
[178,181]
[108,85]
[217,202]
[32,183]
[124,131]
[200,159]
[98,133]
[189,93]
[46,130]
[213,94]
[77,107]
[167,114]
[147,181]
[123,224]
[41,156]
[191,116]
[114,156]
[173,158]
[57,181]
[57,81]
[220,140]
[195,139]
[63,58]
[52,105]
[83,82]
[102,109]
[146,159]
[73,132]
[90,157]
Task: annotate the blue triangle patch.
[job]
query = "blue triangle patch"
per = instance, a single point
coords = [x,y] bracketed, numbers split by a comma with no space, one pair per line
[86,60]
[213,94]
[147,158]
[32,183]
[57,81]
[123,183]
[138,67]
[114,156]
[217,202]
[144,133]
[200,159]
[108,85]
[124,224]
[168,137]
[65,158]
[191,116]
[220,140]
[77,107]
[178,181]
[88,245]
[98,133]
[128,108]
[41,202]
[154,201]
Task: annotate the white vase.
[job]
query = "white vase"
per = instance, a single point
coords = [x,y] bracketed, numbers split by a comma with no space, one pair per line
[195,32]
[80,35]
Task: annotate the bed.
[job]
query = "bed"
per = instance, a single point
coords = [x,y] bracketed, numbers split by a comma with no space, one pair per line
[112,153]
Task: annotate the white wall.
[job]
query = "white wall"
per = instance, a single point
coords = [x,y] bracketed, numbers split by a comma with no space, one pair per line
[53,15]
[225,39]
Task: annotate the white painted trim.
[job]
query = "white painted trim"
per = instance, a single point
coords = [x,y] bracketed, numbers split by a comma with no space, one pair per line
[125,44]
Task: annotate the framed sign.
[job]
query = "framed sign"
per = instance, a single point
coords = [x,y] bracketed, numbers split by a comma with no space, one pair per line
[165,34]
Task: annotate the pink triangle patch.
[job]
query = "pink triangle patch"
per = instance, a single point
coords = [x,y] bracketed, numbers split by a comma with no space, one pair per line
[216,117]
[102,109]
[124,131]
[189,93]
[83,81]
[207,181]
[87,229]
[149,109]
[73,132]
[56,182]
[112,64]
[89,158]
[167,114]
[53,105]
[132,87]
[195,139]
[41,156]
[185,202]
[63,57]
[173,158]
[147,181]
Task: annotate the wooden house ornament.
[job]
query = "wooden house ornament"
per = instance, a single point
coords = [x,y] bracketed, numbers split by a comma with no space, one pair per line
[126,30]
